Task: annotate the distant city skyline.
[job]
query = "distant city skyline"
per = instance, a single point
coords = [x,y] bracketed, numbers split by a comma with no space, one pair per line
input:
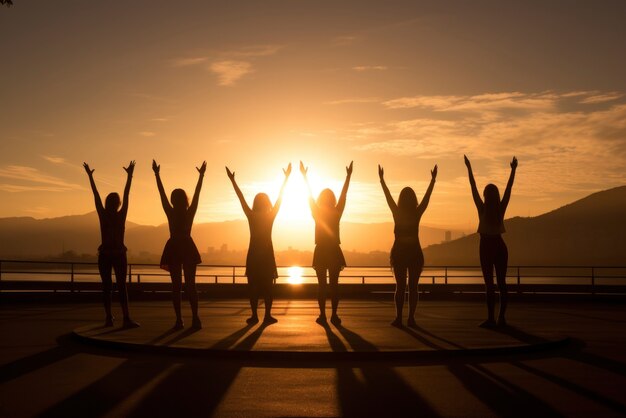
[405,84]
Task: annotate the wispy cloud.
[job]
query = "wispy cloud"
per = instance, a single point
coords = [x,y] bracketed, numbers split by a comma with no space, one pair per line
[253,51]
[601,98]
[54,160]
[353,100]
[188,61]
[562,145]
[33,180]
[344,40]
[147,134]
[361,68]
[229,71]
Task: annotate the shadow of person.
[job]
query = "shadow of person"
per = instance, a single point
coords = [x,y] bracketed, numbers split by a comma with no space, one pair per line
[380,391]
[228,341]
[520,335]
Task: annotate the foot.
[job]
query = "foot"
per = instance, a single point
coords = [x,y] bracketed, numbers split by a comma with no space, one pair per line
[397,323]
[321,320]
[269,319]
[252,320]
[108,322]
[489,324]
[335,320]
[411,323]
[502,322]
[196,323]
[179,324]
[129,323]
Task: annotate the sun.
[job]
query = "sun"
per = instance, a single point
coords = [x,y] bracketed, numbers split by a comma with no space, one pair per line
[295,275]
[295,206]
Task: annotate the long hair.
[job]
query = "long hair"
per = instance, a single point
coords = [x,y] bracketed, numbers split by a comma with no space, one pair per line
[491,194]
[179,200]
[261,203]
[407,201]
[112,203]
[326,199]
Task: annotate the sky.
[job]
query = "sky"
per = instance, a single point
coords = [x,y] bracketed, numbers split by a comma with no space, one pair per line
[256,85]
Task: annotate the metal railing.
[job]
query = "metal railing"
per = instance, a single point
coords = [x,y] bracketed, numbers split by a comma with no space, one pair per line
[75,276]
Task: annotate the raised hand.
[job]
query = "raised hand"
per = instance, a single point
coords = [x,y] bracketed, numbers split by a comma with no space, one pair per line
[87,169]
[202,168]
[156,168]
[381,173]
[349,168]
[303,169]
[467,161]
[231,174]
[131,168]
[287,171]
[433,172]
[514,163]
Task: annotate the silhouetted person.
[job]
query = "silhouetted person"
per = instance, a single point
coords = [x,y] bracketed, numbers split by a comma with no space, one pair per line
[493,251]
[180,252]
[260,262]
[328,256]
[112,251]
[406,253]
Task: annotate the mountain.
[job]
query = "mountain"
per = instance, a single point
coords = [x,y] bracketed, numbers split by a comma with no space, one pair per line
[26,237]
[590,231]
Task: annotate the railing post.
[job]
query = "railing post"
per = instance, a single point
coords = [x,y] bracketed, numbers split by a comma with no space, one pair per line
[519,290]
[0,270]
[593,280]
[233,274]
[362,279]
[216,279]
[130,273]
[446,273]
[72,276]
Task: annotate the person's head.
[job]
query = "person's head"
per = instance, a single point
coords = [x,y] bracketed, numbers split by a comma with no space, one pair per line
[179,199]
[407,202]
[261,203]
[112,202]
[327,199]
[491,194]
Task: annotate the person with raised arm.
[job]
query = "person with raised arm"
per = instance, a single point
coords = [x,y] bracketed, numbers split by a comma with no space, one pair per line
[493,251]
[180,253]
[112,251]
[406,253]
[260,262]
[327,256]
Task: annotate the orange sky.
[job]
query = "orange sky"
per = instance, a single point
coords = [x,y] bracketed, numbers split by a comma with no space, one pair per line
[259,84]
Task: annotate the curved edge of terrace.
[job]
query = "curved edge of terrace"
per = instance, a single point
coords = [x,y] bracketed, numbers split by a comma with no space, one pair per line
[335,351]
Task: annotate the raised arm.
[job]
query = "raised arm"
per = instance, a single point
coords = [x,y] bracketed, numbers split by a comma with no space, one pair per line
[477,200]
[422,206]
[276,207]
[242,199]
[164,202]
[94,189]
[390,202]
[507,193]
[304,170]
[129,178]
[193,207]
[341,204]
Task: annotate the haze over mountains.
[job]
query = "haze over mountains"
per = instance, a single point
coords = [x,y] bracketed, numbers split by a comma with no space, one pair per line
[589,231]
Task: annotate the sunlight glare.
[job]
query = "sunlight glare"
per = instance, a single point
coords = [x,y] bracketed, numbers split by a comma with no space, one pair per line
[295,275]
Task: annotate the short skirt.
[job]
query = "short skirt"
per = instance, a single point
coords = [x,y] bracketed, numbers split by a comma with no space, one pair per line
[261,264]
[406,255]
[328,257]
[180,251]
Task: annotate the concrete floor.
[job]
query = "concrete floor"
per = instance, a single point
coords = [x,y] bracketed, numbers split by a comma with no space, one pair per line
[44,371]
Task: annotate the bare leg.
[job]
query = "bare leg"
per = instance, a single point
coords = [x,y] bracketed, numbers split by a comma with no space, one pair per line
[104,268]
[120,278]
[501,267]
[399,273]
[268,297]
[321,295]
[177,284]
[333,282]
[414,277]
[192,293]
[486,264]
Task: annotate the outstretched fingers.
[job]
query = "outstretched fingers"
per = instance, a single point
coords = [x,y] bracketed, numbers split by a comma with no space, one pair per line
[349,168]
[433,172]
[381,172]
[155,167]
[87,169]
[202,168]
[304,170]
[514,163]
[287,171]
